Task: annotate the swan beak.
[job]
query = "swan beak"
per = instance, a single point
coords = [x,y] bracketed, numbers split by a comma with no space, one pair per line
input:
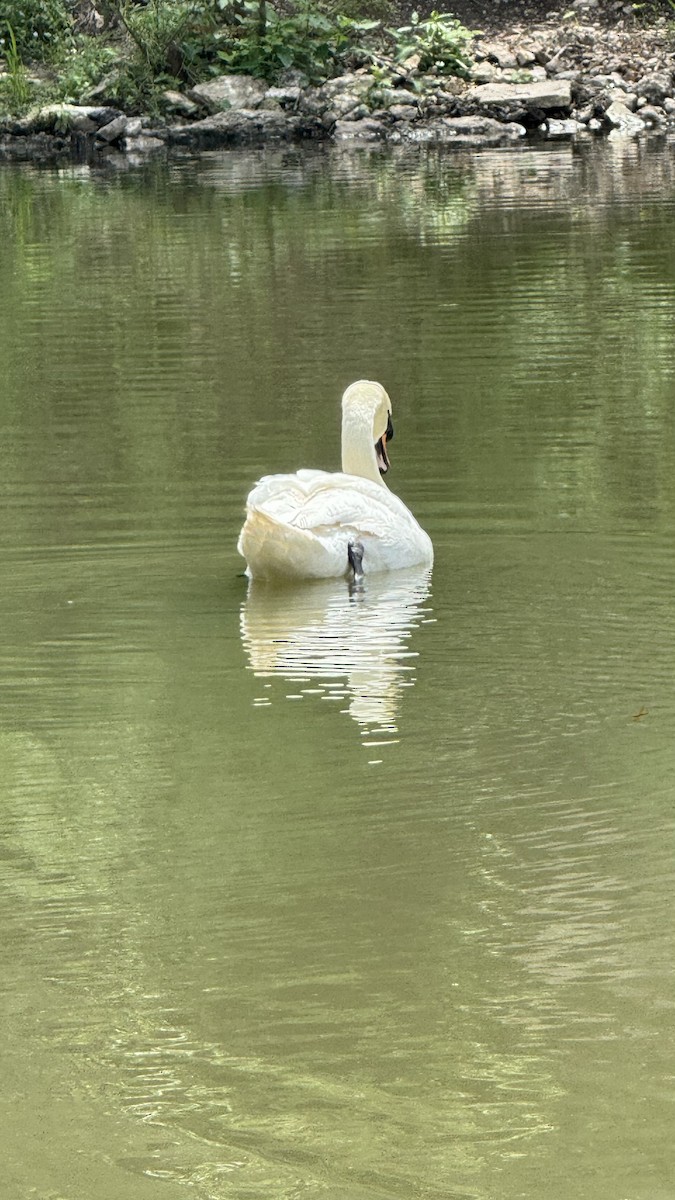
[382,456]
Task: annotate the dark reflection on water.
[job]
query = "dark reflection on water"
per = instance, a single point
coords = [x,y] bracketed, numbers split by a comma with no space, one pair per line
[239,951]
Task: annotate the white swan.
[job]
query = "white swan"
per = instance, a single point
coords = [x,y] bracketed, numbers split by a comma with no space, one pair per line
[318,525]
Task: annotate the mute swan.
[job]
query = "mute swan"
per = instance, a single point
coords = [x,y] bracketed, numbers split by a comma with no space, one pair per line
[318,525]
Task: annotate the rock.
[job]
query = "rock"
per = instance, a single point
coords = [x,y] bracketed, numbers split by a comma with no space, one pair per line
[229,92]
[470,131]
[357,86]
[622,119]
[552,93]
[364,130]
[500,53]
[404,112]
[178,105]
[344,104]
[88,19]
[541,55]
[68,116]
[242,126]
[41,147]
[142,144]
[485,72]
[653,117]
[285,97]
[312,102]
[113,130]
[655,88]
[562,129]
[669,106]
[391,96]
[358,113]
[63,118]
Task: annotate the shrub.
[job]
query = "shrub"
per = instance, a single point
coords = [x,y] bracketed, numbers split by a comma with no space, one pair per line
[40,27]
[89,60]
[441,41]
[308,40]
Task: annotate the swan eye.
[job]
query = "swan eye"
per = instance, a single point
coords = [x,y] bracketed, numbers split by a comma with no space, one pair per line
[390,429]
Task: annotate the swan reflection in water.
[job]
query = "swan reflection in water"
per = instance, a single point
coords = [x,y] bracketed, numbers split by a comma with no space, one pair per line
[340,643]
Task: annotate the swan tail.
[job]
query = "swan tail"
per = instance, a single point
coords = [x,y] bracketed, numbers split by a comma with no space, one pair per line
[275,550]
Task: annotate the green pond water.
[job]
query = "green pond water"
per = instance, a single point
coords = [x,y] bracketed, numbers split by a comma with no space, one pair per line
[315,896]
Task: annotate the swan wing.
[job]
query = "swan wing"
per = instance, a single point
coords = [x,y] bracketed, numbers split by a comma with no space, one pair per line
[302,524]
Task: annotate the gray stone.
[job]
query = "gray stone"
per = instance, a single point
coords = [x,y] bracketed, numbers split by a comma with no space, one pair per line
[654,117]
[242,126]
[655,87]
[469,131]
[178,104]
[500,53]
[65,117]
[562,129]
[285,97]
[229,92]
[485,72]
[358,113]
[404,112]
[669,106]
[623,119]
[343,104]
[398,96]
[113,130]
[357,85]
[365,130]
[142,144]
[313,102]
[551,93]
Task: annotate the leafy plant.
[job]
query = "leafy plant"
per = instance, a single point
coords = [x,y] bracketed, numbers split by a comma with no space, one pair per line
[441,42]
[40,27]
[309,40]
[156,29]
[15,85]
[87,63]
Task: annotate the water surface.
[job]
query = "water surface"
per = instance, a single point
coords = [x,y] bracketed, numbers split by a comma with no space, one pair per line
[310,894]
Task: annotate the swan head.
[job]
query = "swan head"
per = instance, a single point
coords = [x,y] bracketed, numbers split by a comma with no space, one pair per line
[366,429]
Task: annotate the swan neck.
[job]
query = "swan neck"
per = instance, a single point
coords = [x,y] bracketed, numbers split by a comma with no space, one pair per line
[358,447]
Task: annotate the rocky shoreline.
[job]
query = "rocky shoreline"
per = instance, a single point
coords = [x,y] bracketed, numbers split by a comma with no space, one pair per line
[559,78]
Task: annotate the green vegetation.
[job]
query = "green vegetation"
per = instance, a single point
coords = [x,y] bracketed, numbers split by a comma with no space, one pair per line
[310,40]
[441,42]
[41,28]
[15,85]
[63,49]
